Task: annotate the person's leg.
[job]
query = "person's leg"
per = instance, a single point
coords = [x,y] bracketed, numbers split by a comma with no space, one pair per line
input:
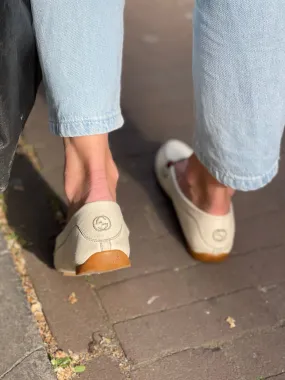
[202,188]
[80,48]
[239,88]
[90,172]
[239,82]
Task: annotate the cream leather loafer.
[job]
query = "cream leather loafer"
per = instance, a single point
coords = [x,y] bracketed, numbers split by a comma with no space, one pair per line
[210,238]
[95,240]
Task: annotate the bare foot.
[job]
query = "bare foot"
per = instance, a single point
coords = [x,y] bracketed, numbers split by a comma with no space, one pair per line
[198,185]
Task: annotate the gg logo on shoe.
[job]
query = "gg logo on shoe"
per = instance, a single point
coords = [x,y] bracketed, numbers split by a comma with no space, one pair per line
[219,235]
[102,223]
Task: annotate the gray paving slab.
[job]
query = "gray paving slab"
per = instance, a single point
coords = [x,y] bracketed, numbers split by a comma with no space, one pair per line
[272,199]
[260,232]
[259,354]
[102,368]
[177,287]
[279,377]
[33,367]
[71,324]
[274,296]
[159,334]
[20,340]
[254,356]
[200,364]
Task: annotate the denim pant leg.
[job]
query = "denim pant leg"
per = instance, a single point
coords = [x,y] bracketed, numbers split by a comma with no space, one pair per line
[239,84]
[80,50]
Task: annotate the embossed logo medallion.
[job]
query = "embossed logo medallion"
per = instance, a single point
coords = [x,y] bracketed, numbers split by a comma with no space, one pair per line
[102,223]
[220,235]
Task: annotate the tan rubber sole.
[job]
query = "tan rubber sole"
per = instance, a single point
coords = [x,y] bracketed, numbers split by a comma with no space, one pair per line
[209,258]
[106,261]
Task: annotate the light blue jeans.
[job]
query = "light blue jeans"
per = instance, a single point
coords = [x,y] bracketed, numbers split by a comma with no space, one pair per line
[239,82]
[80,50]
[238,71]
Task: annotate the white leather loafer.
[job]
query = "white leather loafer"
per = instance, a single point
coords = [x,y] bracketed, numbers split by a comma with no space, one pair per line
[210,238]
[95,240]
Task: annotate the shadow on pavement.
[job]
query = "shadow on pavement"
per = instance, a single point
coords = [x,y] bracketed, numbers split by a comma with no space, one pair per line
[135,154]
[31,207]
[32,203]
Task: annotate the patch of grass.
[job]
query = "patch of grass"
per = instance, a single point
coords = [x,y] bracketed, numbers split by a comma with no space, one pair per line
[61,362]
[79,368]
[65,362]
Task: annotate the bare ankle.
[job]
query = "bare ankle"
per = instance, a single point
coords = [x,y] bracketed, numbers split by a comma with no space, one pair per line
[90,172]
[202,188]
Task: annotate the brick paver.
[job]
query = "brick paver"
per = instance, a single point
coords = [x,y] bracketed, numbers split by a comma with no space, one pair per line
[260,354]
[156,292]
[193,325]
[103,368]
[202,364]
[279,377]
[250,357]
[71,324]
[168,312]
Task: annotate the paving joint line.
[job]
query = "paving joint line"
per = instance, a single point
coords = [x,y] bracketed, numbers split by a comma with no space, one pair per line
[19,361]
[256,287]
[186,267]
[274,376]
[124,364]
[177,307]
[214,344]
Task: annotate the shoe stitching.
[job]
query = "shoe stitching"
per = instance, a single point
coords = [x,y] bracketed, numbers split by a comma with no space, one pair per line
[90,239]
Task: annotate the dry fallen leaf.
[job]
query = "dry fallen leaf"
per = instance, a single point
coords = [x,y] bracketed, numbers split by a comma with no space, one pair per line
[59,354]
[72,298]
[231,322]
[36,307]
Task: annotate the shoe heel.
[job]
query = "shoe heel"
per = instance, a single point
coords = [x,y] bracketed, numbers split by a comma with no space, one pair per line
[105,261]
[208,257]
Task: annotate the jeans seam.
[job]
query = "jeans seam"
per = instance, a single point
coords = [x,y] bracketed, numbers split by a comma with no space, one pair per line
[105,118]
[87,127]
[239,182]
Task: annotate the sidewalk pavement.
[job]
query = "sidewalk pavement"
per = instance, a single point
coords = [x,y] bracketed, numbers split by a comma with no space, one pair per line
[23,355]
[168,317]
